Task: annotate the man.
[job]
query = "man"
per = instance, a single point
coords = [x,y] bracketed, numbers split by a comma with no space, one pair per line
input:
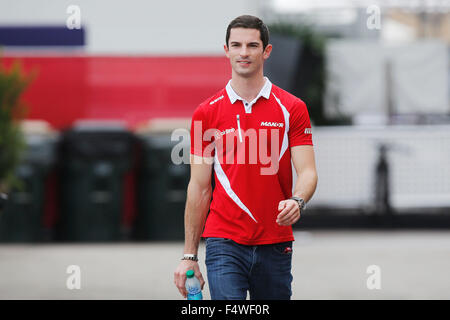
[248,229]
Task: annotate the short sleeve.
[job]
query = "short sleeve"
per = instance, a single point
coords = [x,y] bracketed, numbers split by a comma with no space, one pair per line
[299,125]
[200,137]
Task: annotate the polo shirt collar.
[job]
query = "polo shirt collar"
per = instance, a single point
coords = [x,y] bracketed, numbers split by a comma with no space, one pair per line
[265,91]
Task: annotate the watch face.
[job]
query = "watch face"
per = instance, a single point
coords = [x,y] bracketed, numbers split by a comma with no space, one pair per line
[303,205]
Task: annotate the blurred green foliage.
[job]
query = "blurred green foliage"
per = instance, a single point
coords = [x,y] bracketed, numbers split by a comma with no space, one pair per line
[13,83]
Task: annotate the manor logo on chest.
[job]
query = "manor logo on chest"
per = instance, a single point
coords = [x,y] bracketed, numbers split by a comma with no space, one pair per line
[272,124]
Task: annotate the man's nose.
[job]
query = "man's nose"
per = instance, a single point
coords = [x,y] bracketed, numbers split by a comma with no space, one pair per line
[244,51]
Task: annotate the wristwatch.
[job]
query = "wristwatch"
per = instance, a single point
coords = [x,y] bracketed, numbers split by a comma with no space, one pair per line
[192,257]
[301,203]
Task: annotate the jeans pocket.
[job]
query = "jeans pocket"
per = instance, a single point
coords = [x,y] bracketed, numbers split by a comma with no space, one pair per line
[283,248]
[214,247]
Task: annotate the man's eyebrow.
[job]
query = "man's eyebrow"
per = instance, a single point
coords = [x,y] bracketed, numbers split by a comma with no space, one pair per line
[237,42]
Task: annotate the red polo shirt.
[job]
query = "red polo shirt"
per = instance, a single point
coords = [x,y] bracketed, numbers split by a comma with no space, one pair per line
[250,143]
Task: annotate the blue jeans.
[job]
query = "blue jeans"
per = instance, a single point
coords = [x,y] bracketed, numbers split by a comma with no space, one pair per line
[263,270]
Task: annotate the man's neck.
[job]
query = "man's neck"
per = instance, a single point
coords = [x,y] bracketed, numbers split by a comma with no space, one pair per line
[247,88]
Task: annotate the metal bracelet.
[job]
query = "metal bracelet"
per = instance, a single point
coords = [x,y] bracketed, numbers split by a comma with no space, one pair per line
[191,257]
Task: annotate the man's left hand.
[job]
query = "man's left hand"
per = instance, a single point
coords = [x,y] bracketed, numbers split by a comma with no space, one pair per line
[289,212]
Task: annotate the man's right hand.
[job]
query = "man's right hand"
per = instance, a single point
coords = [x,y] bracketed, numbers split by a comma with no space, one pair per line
[180,275]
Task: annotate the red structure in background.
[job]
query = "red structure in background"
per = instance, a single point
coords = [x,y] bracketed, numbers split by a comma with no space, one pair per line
[131,89]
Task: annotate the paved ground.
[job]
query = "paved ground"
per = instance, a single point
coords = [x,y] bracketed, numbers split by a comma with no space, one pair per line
[326,265]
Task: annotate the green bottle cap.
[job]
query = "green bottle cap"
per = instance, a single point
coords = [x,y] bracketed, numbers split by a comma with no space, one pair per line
[190,273]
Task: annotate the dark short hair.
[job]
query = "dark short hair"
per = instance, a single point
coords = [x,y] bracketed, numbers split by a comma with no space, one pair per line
[249,22]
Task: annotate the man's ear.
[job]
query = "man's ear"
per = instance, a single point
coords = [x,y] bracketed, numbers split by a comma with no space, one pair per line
[225,48]
[267,51]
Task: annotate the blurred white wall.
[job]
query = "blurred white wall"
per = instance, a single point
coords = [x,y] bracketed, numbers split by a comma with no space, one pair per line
[138,26]
[418,158]
[360,81]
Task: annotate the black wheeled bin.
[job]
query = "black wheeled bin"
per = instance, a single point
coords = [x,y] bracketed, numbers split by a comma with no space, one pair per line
[22,216]
[161,188]
[94,159]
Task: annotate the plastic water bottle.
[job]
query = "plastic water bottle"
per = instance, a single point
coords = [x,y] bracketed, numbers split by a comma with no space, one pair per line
[194,290]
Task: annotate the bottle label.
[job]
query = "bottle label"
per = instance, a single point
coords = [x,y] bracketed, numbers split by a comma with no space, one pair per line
[194,292]
[195,296]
